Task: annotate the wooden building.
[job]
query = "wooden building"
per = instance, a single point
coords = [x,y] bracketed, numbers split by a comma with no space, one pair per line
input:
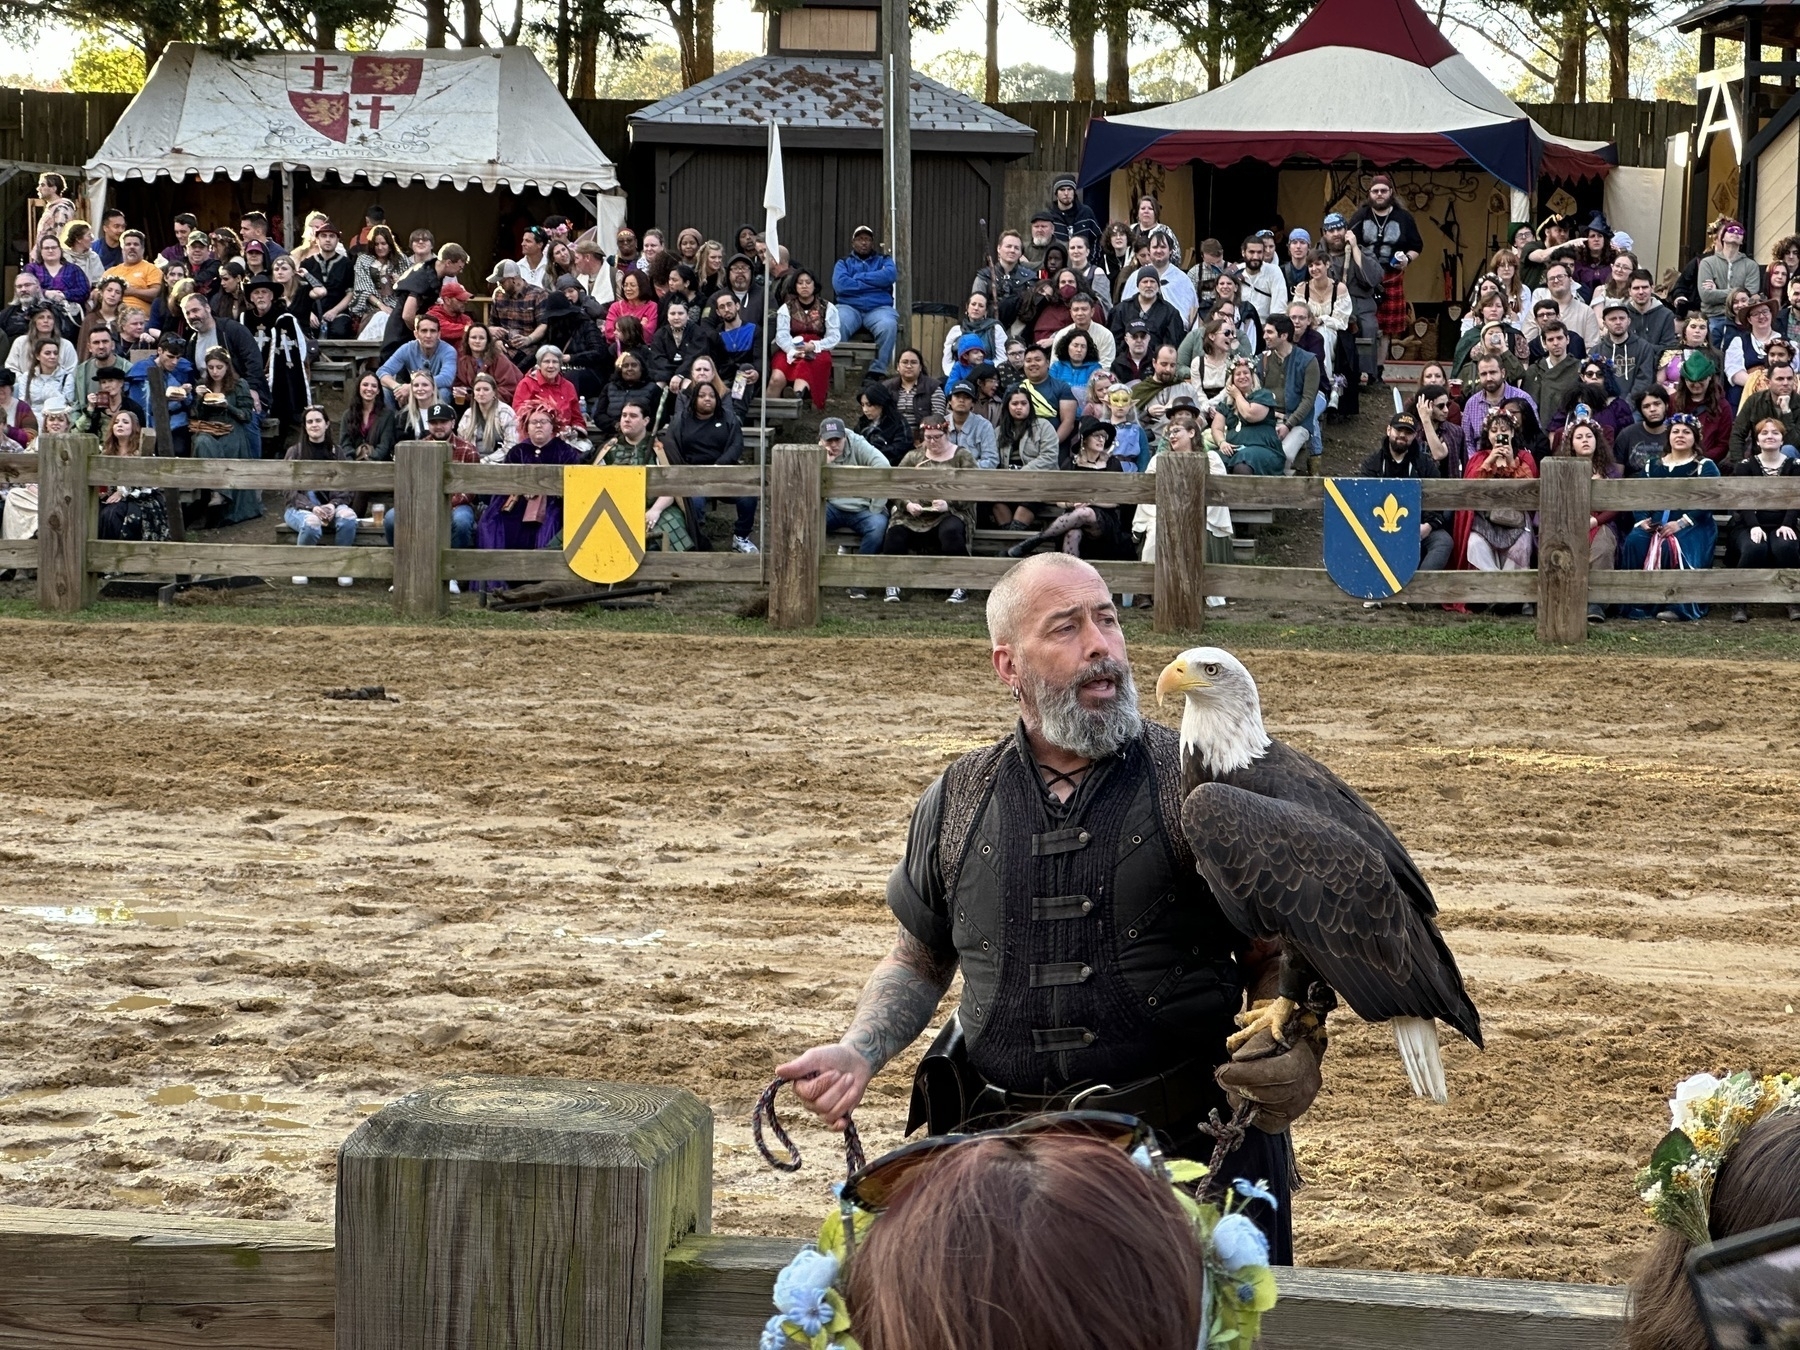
[1756,104]
[822,80]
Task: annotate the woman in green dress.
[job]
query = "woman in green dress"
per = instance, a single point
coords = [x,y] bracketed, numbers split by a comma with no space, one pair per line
[1243,426]
[664,528]
[218,424]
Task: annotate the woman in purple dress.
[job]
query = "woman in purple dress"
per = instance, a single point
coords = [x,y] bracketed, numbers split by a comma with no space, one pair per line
[521,521]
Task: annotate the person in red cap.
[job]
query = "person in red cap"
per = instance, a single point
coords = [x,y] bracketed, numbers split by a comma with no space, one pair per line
[452,313]
[330,274]
[1386,232]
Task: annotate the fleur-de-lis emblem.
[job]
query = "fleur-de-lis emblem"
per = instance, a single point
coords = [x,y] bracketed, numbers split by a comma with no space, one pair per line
[1389,514]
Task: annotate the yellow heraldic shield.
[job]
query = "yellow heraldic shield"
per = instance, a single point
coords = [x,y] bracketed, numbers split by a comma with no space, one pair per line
[603,521]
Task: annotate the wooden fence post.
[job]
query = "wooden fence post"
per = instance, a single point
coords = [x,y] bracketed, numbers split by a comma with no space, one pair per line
[795,534]
[1180,543]
[487,1213]
[421,528]
[1563,492]
[67,517]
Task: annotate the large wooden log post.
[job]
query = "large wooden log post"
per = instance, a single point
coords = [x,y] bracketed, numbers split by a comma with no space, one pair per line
[1180,543]
[421,528]
[68,514]
[490,1213]
[795,535]
[1563,550]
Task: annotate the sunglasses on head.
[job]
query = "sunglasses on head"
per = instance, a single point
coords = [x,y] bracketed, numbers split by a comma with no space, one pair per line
[875,1186]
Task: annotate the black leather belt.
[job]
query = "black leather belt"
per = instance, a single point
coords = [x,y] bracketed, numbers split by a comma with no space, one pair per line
[1176,1097]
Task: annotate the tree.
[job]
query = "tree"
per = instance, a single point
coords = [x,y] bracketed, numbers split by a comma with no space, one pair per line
[584,33]
[1118,17]
[649,72]
[102,67]
[692,21]
[961,69]
[1169,76]
[1555,45]
[1035,84]
[1073,21]
[1231,36]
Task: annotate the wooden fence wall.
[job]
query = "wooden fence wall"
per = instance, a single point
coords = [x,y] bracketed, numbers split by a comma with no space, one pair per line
[41,129]
[1640,127]
[81,1280]
[798,559]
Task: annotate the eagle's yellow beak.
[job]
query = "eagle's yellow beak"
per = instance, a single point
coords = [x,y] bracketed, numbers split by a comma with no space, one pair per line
[1178,678]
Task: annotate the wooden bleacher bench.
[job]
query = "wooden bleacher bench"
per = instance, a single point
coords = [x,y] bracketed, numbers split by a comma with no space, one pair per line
[339,373]
[347,349]
[366,533]
[779,410]
[847,356]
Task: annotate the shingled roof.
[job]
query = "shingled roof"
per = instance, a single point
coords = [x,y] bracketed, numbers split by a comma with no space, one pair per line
[823,102]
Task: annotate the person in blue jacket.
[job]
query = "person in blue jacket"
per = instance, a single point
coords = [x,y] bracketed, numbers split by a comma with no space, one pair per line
[864,285]
[171,365]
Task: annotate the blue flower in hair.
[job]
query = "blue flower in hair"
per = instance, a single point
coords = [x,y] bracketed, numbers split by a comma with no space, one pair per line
[774,1333]
[1251,1190]
[1239,1243]
[800,1290]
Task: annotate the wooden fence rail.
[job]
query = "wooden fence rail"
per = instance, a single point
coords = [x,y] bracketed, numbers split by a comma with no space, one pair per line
[797,562]
[434,1246]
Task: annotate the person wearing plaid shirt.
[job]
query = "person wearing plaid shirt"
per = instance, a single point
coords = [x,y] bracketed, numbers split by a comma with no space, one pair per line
[516,314]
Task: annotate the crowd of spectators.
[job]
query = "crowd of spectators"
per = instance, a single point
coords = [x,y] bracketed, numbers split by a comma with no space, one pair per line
[1078,345]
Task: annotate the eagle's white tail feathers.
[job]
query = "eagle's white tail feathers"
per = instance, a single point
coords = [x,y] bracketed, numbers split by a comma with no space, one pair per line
[1417,1038]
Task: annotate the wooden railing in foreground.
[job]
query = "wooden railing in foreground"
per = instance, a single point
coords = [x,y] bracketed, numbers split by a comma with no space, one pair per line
[796,562]
[82,1280]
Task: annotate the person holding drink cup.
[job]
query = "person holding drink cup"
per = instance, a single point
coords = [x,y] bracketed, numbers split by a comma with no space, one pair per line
[481,354]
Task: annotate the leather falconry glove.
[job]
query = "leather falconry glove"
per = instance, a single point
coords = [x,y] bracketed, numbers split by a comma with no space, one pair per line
[1282,1083]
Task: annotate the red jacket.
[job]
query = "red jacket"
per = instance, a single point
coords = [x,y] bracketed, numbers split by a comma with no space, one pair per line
[560,396]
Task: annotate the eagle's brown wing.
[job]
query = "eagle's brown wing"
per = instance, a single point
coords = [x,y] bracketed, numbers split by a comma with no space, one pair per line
[1279,869]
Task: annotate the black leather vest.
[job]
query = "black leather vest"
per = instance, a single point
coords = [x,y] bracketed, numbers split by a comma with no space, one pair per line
[1091,951]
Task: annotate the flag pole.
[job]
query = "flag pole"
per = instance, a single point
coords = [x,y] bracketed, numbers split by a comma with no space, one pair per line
[762,424]
[774,210]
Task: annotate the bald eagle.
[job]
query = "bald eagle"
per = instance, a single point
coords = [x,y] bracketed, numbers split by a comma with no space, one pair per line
[1292,852]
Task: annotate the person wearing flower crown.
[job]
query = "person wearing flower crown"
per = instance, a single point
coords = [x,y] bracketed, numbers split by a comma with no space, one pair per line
[1097,968]
[1730,1164]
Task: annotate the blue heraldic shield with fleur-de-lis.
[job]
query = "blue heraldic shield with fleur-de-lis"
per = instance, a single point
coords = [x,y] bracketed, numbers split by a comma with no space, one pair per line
[1372,534]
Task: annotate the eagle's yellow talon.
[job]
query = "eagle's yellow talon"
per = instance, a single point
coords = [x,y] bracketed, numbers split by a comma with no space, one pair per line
[1272,1016]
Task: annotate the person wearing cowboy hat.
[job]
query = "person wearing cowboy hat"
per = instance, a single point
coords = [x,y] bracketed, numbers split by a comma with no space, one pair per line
[106,402]
[1083,528]
[1747,351]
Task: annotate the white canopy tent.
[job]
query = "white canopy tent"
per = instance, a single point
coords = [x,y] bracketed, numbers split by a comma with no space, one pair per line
[486,117]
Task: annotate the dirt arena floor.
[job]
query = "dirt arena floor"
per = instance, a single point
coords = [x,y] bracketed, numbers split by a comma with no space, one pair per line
[236,918]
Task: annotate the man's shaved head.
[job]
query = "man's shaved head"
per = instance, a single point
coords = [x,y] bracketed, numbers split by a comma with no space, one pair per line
[1010,601]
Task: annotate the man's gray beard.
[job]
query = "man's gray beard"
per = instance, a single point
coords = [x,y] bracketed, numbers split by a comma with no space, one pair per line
[1092,733]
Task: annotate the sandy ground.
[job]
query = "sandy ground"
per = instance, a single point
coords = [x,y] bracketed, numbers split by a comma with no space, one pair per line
[237,918]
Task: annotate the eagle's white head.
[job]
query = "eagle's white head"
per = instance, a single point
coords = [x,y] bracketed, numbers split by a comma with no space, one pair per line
[1222,722]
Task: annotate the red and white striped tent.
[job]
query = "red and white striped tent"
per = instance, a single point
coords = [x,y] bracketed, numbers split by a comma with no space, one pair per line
[1368,78]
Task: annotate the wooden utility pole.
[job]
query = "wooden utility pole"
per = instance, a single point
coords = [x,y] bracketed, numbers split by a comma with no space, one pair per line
[896,153]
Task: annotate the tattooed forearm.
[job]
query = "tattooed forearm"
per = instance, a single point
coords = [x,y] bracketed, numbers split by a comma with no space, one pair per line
[899,999]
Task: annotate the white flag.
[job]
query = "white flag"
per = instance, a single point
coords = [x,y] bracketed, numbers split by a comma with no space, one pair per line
[774,195]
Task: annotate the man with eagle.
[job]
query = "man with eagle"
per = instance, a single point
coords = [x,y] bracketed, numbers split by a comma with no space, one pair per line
[1146,922]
